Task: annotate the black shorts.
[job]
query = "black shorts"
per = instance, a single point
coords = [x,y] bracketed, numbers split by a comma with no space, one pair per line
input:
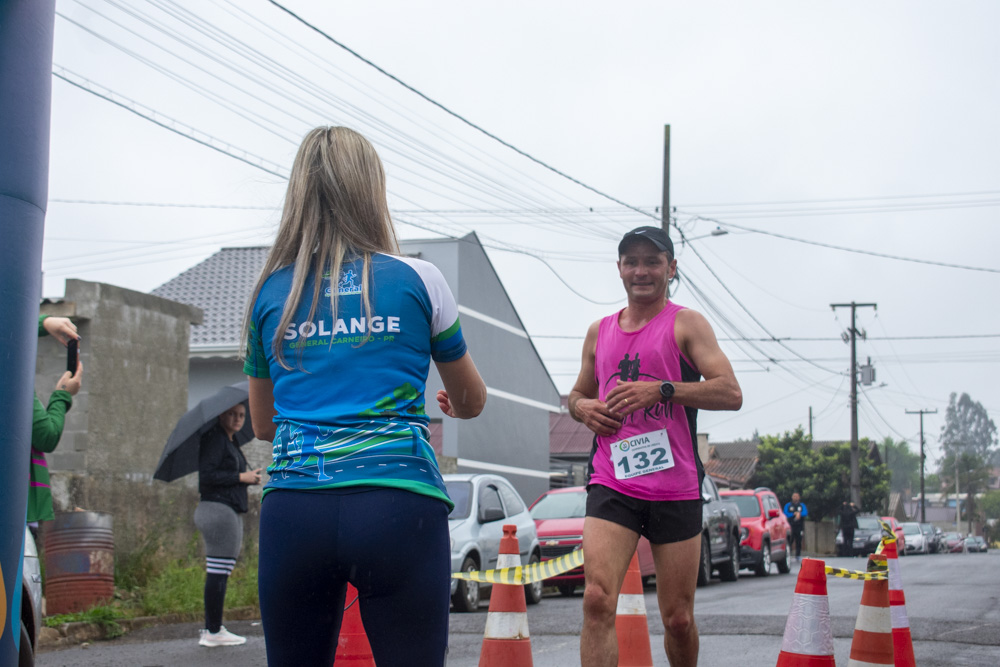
[659,521]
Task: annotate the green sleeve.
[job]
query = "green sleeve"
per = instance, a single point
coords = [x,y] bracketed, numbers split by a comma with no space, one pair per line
[41,329]
[47,423]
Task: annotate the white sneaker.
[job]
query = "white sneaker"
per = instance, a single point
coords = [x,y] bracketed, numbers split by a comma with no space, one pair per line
[221,638]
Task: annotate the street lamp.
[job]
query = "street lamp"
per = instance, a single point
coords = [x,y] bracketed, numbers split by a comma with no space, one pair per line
[718,231]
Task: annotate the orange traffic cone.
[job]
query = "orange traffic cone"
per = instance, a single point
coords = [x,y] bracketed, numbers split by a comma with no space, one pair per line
[630,624]
[506,642]
[352,646]
[872,643]
[808,640]
[902,640]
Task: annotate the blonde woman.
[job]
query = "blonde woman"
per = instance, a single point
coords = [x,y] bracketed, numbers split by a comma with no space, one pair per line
[340,334]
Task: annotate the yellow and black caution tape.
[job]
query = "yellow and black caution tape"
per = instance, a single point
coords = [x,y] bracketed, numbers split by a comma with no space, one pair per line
[526,575]
[877,575]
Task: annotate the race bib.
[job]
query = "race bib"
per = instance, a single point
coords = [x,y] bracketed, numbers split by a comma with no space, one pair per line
[642,454]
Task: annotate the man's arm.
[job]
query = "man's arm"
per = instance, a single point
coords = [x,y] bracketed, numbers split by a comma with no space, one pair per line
[718,391]
[788,509]
[584,404]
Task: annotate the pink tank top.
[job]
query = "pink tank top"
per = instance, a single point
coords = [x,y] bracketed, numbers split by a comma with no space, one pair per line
[653,455]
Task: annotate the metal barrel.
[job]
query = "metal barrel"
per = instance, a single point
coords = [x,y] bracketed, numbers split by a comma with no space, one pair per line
[79,561]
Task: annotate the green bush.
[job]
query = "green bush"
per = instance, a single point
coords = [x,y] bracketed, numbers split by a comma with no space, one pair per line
[180,588]
[104,615]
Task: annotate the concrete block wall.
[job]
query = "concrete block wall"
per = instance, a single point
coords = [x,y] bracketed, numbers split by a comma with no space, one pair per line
[135,354]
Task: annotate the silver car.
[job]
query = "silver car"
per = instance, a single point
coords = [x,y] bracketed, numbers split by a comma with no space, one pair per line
[31,601]
[483,505]
[916,538]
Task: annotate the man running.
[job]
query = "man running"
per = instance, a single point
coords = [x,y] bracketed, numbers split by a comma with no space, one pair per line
[639,392]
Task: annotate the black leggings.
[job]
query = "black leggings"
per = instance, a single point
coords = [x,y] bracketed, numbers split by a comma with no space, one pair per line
[392,545]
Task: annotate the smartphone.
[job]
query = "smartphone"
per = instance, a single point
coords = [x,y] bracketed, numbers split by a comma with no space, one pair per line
[72,354]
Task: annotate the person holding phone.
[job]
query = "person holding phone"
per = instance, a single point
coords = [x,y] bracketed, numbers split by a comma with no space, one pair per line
[340,333]
[223,478]
[47,423]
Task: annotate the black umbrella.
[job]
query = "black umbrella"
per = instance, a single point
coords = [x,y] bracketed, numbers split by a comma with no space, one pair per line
[180,456]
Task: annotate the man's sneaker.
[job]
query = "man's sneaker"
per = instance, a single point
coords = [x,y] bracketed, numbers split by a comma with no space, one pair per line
[221,638]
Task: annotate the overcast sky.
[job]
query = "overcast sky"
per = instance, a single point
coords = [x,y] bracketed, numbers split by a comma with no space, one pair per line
[821,138]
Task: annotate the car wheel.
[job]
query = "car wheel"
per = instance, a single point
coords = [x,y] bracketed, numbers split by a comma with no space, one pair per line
[645,580]
[533,591]
[26,656]
[466,597]
[705,566]
[763,568]
[730,570]
[566,590]
[785,565]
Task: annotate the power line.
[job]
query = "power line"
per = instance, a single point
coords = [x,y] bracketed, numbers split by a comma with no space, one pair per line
[858,251]
[456,115]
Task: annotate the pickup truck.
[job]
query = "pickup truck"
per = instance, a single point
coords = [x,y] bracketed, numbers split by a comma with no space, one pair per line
[720,536]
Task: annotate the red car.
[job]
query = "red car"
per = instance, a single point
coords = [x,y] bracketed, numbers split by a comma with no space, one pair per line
[764,530]
[559,516]
[897,528]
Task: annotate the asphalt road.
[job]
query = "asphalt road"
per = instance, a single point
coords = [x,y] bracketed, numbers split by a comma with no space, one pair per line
[953,603]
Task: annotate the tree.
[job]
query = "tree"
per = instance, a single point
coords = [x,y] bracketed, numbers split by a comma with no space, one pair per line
[969,441]
[788,463]
[904,466]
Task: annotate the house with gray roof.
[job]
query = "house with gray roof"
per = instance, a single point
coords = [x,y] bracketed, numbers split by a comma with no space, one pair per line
[511,437]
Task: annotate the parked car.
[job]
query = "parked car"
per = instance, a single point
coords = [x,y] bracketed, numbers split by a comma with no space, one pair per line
[720,535]
[976,543]
[897,530]
[31,602]
[483,505]
[930,538]
[953,543]
[764,530]
[867,537]
[917,540]
[559,516]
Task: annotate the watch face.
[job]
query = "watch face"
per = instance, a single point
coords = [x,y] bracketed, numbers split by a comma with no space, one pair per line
[666,391]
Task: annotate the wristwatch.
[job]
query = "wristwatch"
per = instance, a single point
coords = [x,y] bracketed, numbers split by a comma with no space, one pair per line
[666,391]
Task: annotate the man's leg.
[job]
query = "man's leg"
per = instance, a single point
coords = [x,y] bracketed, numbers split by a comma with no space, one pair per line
[676,579]
[608,548]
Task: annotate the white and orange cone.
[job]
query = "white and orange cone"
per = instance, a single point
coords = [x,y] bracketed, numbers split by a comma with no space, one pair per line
[872,643]
[506,642]
[808,640]
[902,640]
[353,647]
[630,623]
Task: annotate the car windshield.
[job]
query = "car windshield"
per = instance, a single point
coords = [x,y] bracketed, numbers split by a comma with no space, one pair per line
[749,506]
[911,529]
[868,523]
[460,494]
[569,505]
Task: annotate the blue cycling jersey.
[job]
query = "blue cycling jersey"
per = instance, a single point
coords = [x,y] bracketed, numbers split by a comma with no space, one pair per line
[350,410]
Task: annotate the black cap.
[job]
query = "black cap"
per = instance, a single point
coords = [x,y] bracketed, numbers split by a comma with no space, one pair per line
[656,235]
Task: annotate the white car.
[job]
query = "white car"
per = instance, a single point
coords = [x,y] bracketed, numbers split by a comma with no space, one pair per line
[916,539]
[483,505]
[31,601]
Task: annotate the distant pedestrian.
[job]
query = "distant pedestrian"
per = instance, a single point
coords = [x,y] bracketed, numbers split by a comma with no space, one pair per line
[848,522]
[796,512]
[223,478]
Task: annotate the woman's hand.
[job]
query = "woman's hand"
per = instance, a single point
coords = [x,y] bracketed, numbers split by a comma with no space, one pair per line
[61,329]
[250,477]
[71,381]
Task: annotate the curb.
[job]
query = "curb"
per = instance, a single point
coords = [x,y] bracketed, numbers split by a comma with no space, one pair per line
[81,632]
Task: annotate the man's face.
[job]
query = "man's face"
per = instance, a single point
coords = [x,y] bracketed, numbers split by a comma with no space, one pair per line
[795,497]
[645,272]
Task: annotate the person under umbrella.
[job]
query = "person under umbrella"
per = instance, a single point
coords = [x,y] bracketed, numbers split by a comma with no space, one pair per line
[223,478]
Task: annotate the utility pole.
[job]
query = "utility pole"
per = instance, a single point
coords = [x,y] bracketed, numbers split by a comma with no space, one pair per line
[855,465]
[923,499]
[665,208]
[810,422]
